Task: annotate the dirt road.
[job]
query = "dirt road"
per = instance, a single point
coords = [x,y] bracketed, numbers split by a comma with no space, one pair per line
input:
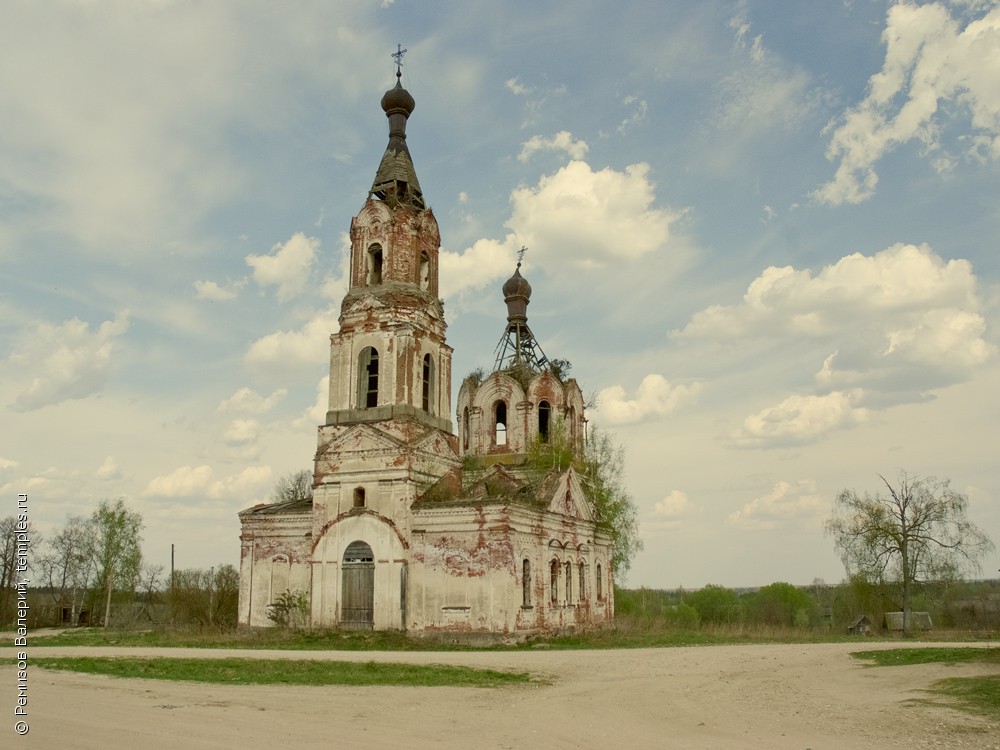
[785,696]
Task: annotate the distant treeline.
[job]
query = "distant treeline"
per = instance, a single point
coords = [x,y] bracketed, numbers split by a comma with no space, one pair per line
[951,604]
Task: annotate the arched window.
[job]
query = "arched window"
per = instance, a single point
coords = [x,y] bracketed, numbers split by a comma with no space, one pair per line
[374,265]
[581,570]
[427,383]
[526,584]
[465,428]
[359,497]
[368,378]
[572,426]
[543,420]
[600,583]
[500,422]
[554,582]
[425,271]
[569,583]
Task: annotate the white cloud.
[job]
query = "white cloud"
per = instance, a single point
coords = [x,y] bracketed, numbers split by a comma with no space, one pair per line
[763,94]
[246,482]
[288,267]
[639,110]
[677,503]
[68,361]
[316,414]
[249,401]
[668,514]
[515,87]
[476,267]
[901,314]
[187,481]
[786,502]
[109,470]
[589,218]
[801,419]
[241,432]
[935,72]
[561,141]
[213,292]
[6,463]
[285,352]
[183,481]
[655,397]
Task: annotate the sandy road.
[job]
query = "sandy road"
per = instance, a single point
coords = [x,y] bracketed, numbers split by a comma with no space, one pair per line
[783,696]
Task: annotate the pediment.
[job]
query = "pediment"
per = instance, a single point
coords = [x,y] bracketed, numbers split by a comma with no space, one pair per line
[434,442]
[569,498]
[361,438]
[367,302]
[497,481]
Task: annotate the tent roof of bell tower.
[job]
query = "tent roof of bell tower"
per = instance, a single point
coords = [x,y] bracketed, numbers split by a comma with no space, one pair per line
[396,179]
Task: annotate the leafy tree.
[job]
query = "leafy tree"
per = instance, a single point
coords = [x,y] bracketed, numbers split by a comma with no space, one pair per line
[206,597]
[115,548]
[295,485]
[782,604]
[919,531]
[602,469]
[604,474]
[716,604]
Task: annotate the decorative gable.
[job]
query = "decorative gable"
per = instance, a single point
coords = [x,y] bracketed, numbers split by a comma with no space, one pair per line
[569,498]
[360,438]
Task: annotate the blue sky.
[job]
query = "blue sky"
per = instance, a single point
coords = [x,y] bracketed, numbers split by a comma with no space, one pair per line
[765,235]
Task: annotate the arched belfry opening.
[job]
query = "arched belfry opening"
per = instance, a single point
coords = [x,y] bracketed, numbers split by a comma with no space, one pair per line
[368,378]
[427,383]
[500,423]
[544,415]
[374,275]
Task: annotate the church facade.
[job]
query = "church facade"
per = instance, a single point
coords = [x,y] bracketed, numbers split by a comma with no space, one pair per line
[411,526]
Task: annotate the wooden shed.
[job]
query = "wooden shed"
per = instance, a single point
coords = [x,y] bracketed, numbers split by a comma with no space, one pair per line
[918,621]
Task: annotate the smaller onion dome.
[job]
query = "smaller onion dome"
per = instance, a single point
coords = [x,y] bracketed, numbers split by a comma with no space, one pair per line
[398,98]
[517,295]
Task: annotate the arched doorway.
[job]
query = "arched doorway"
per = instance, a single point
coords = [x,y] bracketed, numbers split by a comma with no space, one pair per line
[358,590]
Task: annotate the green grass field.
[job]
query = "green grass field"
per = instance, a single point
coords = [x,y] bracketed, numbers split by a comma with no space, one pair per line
[980,695]
[287,672]
[626,633]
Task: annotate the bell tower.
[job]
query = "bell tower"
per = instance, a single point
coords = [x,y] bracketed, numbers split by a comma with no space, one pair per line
[388,431]
[390,359]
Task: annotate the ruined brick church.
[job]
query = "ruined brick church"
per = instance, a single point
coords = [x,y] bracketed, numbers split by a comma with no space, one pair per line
[411,527]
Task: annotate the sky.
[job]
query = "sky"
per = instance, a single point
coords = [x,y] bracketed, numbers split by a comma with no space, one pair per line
[765,234]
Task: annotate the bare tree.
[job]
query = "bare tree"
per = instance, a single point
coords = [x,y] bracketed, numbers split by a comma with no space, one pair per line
[66,565]
[919,531]
[295,485]
[9,573]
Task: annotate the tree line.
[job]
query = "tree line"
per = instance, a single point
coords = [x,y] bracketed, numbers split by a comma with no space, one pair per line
[819,606]
[91,571]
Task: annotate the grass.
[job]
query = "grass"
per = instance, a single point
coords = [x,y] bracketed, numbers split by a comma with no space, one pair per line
[932,655]
[627,632]
[979,695]
[287,672]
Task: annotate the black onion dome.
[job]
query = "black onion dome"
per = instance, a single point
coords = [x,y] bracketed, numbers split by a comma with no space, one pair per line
[398,98]
[517,285]
[517,295]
